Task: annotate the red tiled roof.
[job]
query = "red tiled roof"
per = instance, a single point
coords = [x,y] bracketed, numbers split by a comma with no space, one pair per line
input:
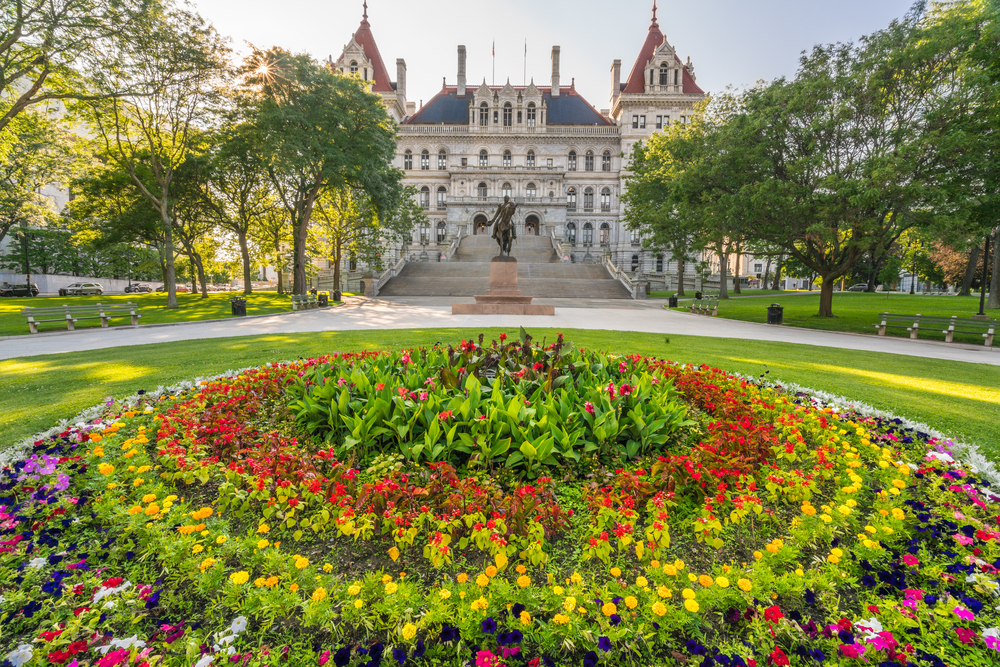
[380,75]
[637,78]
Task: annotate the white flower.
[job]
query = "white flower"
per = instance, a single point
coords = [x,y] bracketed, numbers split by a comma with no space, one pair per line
[104,592]
[126,643]
[239,625]
[872,626]
[37,563]
[992,632]
[19,656]
[205,661]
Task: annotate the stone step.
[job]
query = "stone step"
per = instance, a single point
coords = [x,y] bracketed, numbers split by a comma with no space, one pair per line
[538,288]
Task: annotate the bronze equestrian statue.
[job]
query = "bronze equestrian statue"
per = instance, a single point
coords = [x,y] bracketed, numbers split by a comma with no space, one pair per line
[504,231]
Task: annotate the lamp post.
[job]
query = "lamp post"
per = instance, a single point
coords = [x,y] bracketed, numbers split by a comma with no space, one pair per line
[27,265]
[913,269]
[982,288]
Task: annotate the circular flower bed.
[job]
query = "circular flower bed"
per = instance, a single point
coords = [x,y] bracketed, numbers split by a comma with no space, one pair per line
[494,504]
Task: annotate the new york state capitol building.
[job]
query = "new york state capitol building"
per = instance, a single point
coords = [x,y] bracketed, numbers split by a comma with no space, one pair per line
[546,147]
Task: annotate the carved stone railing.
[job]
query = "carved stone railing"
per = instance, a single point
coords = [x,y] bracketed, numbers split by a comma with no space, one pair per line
[453,248]
[636,290]
[388,275]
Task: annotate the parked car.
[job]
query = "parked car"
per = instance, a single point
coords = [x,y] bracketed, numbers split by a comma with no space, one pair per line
[138,287]
[83,289]
[861,287]
[19,289]
[181,289]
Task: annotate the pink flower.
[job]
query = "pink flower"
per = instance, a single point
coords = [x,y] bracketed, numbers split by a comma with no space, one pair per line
[911,560]
[589,407]
[444,416]
[324,658]
[852,650]
[423,396]
[962,539]
[993,643]
[883,641]
[963,614]
[487,659]
[113,658]
[965,635]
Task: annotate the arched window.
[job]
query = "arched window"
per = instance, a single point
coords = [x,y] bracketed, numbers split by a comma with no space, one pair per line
[634,237]
[588,199]
[484,159]
[425,160]
[572,161]
[506,159]
[571,199]
[530,190]
[605,233]
[442,160]
[663,74]
[606,161]
[635,262]
[530,160]
[571,233]
[659,263]
[442,231]
[354,67]
[505,190]
[442,196]
[481,190]
[508,115]
[531,114]
[589,161]
[606,199]
[425,233]
[408,159]
[588,234]
[484,114]
[425,197]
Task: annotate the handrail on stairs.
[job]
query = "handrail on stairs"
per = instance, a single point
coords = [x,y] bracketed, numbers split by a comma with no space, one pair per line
[388,274]
[619,274]
[455,242]
[556,245]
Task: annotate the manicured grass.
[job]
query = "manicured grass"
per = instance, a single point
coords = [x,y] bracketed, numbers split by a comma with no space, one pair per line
[857,311]
[152,307]
[960,399]
[663,294]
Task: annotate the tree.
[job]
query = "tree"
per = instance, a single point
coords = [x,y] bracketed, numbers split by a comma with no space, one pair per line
[349,224]
[319,130]
[57,49]
[179,62]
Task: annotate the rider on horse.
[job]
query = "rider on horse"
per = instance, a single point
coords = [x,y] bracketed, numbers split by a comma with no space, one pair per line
[504,232]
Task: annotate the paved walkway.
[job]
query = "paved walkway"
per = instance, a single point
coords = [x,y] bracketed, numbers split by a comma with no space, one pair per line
[430,313]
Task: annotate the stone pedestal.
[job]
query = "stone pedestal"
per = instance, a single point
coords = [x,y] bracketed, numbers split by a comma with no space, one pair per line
[503,297]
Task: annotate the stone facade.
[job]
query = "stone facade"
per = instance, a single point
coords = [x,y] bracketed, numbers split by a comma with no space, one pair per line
[546,147]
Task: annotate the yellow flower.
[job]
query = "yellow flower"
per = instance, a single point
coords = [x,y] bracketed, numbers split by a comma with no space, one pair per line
[293,587]
[260,582]
[691,606]
[520,569]
[615,572]
[262,528]
[482,581]
[722,581]
[560,619]
[679,564]
[152,510]
[409,631]
[149,497]
[358,604]
[870,529]
[654,563]
[106,468]
[833,558]
[112,486]
[207,563]
[262,544]
[758,555]
[558,590]
[631,602]
[575,578]
[899,484]
[491,571]
[837,552]
[659,608]
[444,593]
[301,563]
[808,509]
[386,578]
[609,608]
[239,578]
[197,549]
[98,451]
[327,568]
[670,570]
[480,605]
[664,592]
[353,589]
[826,518]
[687,594]
[198,515]
[744,585]
[523,581]
[134,510]
[641,582]
[691,577]
[391,588]
[462,578]
[221,539]
[705,580]
[525,618]
[318,594]
[271,581]
[569,604]
[897,513]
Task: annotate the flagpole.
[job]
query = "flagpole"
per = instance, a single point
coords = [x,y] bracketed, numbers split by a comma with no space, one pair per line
[524,80]
[494,62]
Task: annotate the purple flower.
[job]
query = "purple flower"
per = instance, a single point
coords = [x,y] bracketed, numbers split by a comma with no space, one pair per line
[342,656]
[399,654]
[489,626]
[604,644]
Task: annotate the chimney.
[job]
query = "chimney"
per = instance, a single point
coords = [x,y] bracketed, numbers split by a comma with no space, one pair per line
[401,80]
[555,71]
[616,80]
[461,71]
[411,108]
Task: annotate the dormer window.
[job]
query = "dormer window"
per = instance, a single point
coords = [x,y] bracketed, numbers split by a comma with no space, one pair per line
[508,115]
[531,114]
[484,114]
[506,159]
[407,160]
[354,67]
[664,72]
[572,161]
[530,160]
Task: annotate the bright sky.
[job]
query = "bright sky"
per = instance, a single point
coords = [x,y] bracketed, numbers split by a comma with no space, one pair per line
[731,42]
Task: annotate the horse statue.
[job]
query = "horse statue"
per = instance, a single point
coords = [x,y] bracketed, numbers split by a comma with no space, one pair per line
[504,231]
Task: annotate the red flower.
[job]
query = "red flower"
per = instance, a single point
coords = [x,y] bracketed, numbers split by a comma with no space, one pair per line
[844,624]
[538,366]
[965,635]
[293,502]
[774,615]
[778,656]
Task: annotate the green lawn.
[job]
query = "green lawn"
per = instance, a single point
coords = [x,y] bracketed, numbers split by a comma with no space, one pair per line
[856,311]
[960,399]
[663,294]
[152,307]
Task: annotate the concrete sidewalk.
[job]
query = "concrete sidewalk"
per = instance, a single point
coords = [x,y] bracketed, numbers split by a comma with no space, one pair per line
[363,313]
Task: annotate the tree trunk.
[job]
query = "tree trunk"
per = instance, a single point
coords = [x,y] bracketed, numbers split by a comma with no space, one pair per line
[201,275]
[825,297]
[280,286]
[169,271]
[767,274]
[970,272]
[994,298]
[680,277]
[338,254]
[777,273]
[736,272]
[723,273]
[245,256]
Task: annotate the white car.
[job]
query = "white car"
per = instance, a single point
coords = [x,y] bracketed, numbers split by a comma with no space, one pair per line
[84,289]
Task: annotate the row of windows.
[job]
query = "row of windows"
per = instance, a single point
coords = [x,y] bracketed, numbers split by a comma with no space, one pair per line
[506,160]
[604,238]
[639,122]
[425,197]
[665,75]
[588,199]
[508,115]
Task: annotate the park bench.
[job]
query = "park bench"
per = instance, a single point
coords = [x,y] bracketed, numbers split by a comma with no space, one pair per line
[304,301]
[952,325]
[708,304]
[72,314]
